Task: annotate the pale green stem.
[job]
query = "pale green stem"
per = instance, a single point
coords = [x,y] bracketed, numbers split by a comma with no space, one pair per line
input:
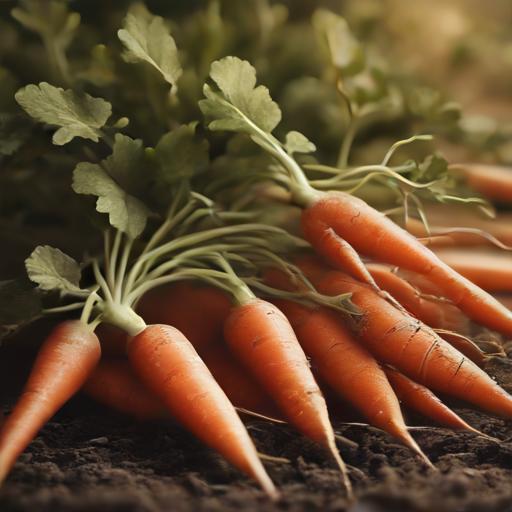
[101,280]
[347,142]
[121,270]
[63,309]
[88,307]
[193,239]
[111,276]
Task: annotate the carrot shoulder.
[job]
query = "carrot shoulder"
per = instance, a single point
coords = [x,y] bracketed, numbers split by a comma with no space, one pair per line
[65,360]
[169,366]
[373,234]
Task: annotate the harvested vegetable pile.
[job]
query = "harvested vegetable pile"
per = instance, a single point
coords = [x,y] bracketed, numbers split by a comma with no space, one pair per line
[244,216]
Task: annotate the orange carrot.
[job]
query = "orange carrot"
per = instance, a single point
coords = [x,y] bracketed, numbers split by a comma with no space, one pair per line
[419,398]
[65,360]
[491,270]
[169,366]
[492,181]
[348,368]
[337,215]
[506,300]
[113,383]
[436,314]
[261,337]
[402,341]
[197,310]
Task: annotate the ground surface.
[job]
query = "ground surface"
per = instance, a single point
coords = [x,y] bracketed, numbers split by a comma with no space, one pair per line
[90,460]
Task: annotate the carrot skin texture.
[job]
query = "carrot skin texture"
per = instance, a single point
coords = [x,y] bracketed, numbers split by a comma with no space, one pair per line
[349,369]
[374,235]
[413,348]
[261,337]
[114,384]
[437,315]
[65,360]
[421,399]
[169,366]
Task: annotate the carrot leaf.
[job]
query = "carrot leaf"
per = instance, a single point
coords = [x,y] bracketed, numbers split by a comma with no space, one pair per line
[295,142]
[181,154]
[51,269]
[76,115]
[239,100]
[126,213]
[147,39]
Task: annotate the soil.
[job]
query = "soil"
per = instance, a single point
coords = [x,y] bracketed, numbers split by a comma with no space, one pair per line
[88,459]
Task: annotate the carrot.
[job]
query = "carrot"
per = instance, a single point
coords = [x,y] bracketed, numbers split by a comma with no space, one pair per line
[492,181]
[402,341]
[240,387]
[169,366]
[337,215]
[491,270]
[197,310]
[434,314]
[419,398]
[261,337]
[114,384]
[464,345]
[348,368]
[65,360]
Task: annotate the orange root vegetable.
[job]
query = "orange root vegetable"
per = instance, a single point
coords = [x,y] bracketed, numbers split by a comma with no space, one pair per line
[435,314]
[405,343]
[373,234]
[492,271]
[464,345]
[197,310]
[492,181]
[420,399]
[350,370]
[240,387]
[167,363]
[506,300]
[114,384]
[64,362]
[261,337]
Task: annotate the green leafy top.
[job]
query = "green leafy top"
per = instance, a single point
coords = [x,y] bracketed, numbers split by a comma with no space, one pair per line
[77,115]
[52,270]
[238,100]
[147,39]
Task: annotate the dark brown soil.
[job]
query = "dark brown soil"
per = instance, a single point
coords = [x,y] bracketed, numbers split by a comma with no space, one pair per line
[91,460]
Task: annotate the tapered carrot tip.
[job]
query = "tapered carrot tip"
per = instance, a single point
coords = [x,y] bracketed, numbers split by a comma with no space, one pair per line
[343,469]
[409,441]
[268,486]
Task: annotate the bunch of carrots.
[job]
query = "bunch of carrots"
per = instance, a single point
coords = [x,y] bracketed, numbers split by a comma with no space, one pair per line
[197,308]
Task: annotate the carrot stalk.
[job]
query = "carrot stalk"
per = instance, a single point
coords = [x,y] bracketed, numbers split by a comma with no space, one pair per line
[169,366]
[261,337]
[65,360]
[114,384]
